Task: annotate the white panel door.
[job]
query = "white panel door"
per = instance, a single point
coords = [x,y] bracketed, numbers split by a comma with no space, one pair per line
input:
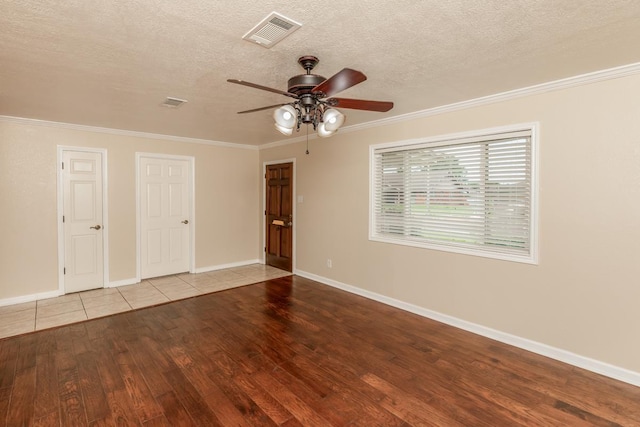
[164,216]
[82,221]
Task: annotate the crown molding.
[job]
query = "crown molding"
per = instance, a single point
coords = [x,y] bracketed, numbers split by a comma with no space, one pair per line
[290,141]
[121,132]
[566,83]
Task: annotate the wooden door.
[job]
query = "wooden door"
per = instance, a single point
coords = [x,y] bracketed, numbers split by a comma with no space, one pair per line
[82,221]
[279,216]
[164,216]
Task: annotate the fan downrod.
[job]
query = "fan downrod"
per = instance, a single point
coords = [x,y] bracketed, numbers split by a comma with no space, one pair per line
[308,62]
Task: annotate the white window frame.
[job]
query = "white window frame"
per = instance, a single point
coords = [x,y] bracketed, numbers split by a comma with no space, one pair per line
[450,140]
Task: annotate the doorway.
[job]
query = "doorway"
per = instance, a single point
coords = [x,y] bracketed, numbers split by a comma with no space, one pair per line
[279,218]
[82,204]
[165,214]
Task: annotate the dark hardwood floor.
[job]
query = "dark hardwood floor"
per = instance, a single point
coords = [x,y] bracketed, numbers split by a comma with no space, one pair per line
[292,352]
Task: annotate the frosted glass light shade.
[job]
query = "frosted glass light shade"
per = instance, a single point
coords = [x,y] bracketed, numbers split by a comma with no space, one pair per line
[283,130]
[323,131]
[286,116]
[332,119]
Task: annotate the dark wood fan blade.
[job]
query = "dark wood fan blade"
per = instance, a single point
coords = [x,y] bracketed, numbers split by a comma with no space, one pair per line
[361,104]
[260,109]
[340,81]
[257,86]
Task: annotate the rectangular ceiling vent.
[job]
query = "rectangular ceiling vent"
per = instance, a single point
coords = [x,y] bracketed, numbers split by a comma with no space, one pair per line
[173,102]
[271,30]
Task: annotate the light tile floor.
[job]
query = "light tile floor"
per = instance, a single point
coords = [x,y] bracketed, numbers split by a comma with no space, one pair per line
[42,314]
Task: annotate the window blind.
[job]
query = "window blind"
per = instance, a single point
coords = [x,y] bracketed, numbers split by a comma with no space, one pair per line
[472,193]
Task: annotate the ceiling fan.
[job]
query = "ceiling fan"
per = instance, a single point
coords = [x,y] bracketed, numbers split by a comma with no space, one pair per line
[311,106]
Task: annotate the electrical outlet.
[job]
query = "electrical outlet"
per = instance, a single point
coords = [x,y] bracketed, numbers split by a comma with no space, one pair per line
[329,263]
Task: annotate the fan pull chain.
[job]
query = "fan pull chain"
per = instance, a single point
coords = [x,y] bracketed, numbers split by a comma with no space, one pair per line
[307,152]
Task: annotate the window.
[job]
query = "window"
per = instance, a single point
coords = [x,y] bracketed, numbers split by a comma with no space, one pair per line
[472,193]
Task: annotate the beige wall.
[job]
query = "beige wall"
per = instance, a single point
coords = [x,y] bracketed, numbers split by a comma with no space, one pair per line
[583,296]
[227,199]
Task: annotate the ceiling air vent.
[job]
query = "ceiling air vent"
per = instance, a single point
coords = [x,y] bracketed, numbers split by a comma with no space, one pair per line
[271,30]
[173,102]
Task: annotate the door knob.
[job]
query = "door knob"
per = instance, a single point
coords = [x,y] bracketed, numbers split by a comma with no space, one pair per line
[97,227]
[186,221]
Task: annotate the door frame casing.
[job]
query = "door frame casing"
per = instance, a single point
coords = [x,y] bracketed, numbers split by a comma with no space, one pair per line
[294,202]
[192,210]
[60,212]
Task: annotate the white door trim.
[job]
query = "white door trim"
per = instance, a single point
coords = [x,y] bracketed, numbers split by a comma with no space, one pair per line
[192,208]
[60,211]
[294,202]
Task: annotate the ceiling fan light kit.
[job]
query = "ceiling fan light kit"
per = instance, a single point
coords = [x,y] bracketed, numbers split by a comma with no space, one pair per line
[284,130]
[310,106]
[289,117]
[332,119]
[323,132]
[286,118]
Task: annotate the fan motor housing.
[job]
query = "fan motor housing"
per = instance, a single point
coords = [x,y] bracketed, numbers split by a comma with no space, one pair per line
[304,83]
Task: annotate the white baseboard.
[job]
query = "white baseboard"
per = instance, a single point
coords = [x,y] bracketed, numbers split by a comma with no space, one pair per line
[57,293]
[125,282]
[133,280]
[29,298]
[230,265]
[118,283]
[602,368]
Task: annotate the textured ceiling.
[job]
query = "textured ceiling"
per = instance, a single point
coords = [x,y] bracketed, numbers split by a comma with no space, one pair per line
[111,63]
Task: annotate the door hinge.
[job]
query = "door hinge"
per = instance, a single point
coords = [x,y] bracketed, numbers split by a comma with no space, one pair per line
[62,165]
[265,212]
[64,270]
[63,219]
[265,249]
